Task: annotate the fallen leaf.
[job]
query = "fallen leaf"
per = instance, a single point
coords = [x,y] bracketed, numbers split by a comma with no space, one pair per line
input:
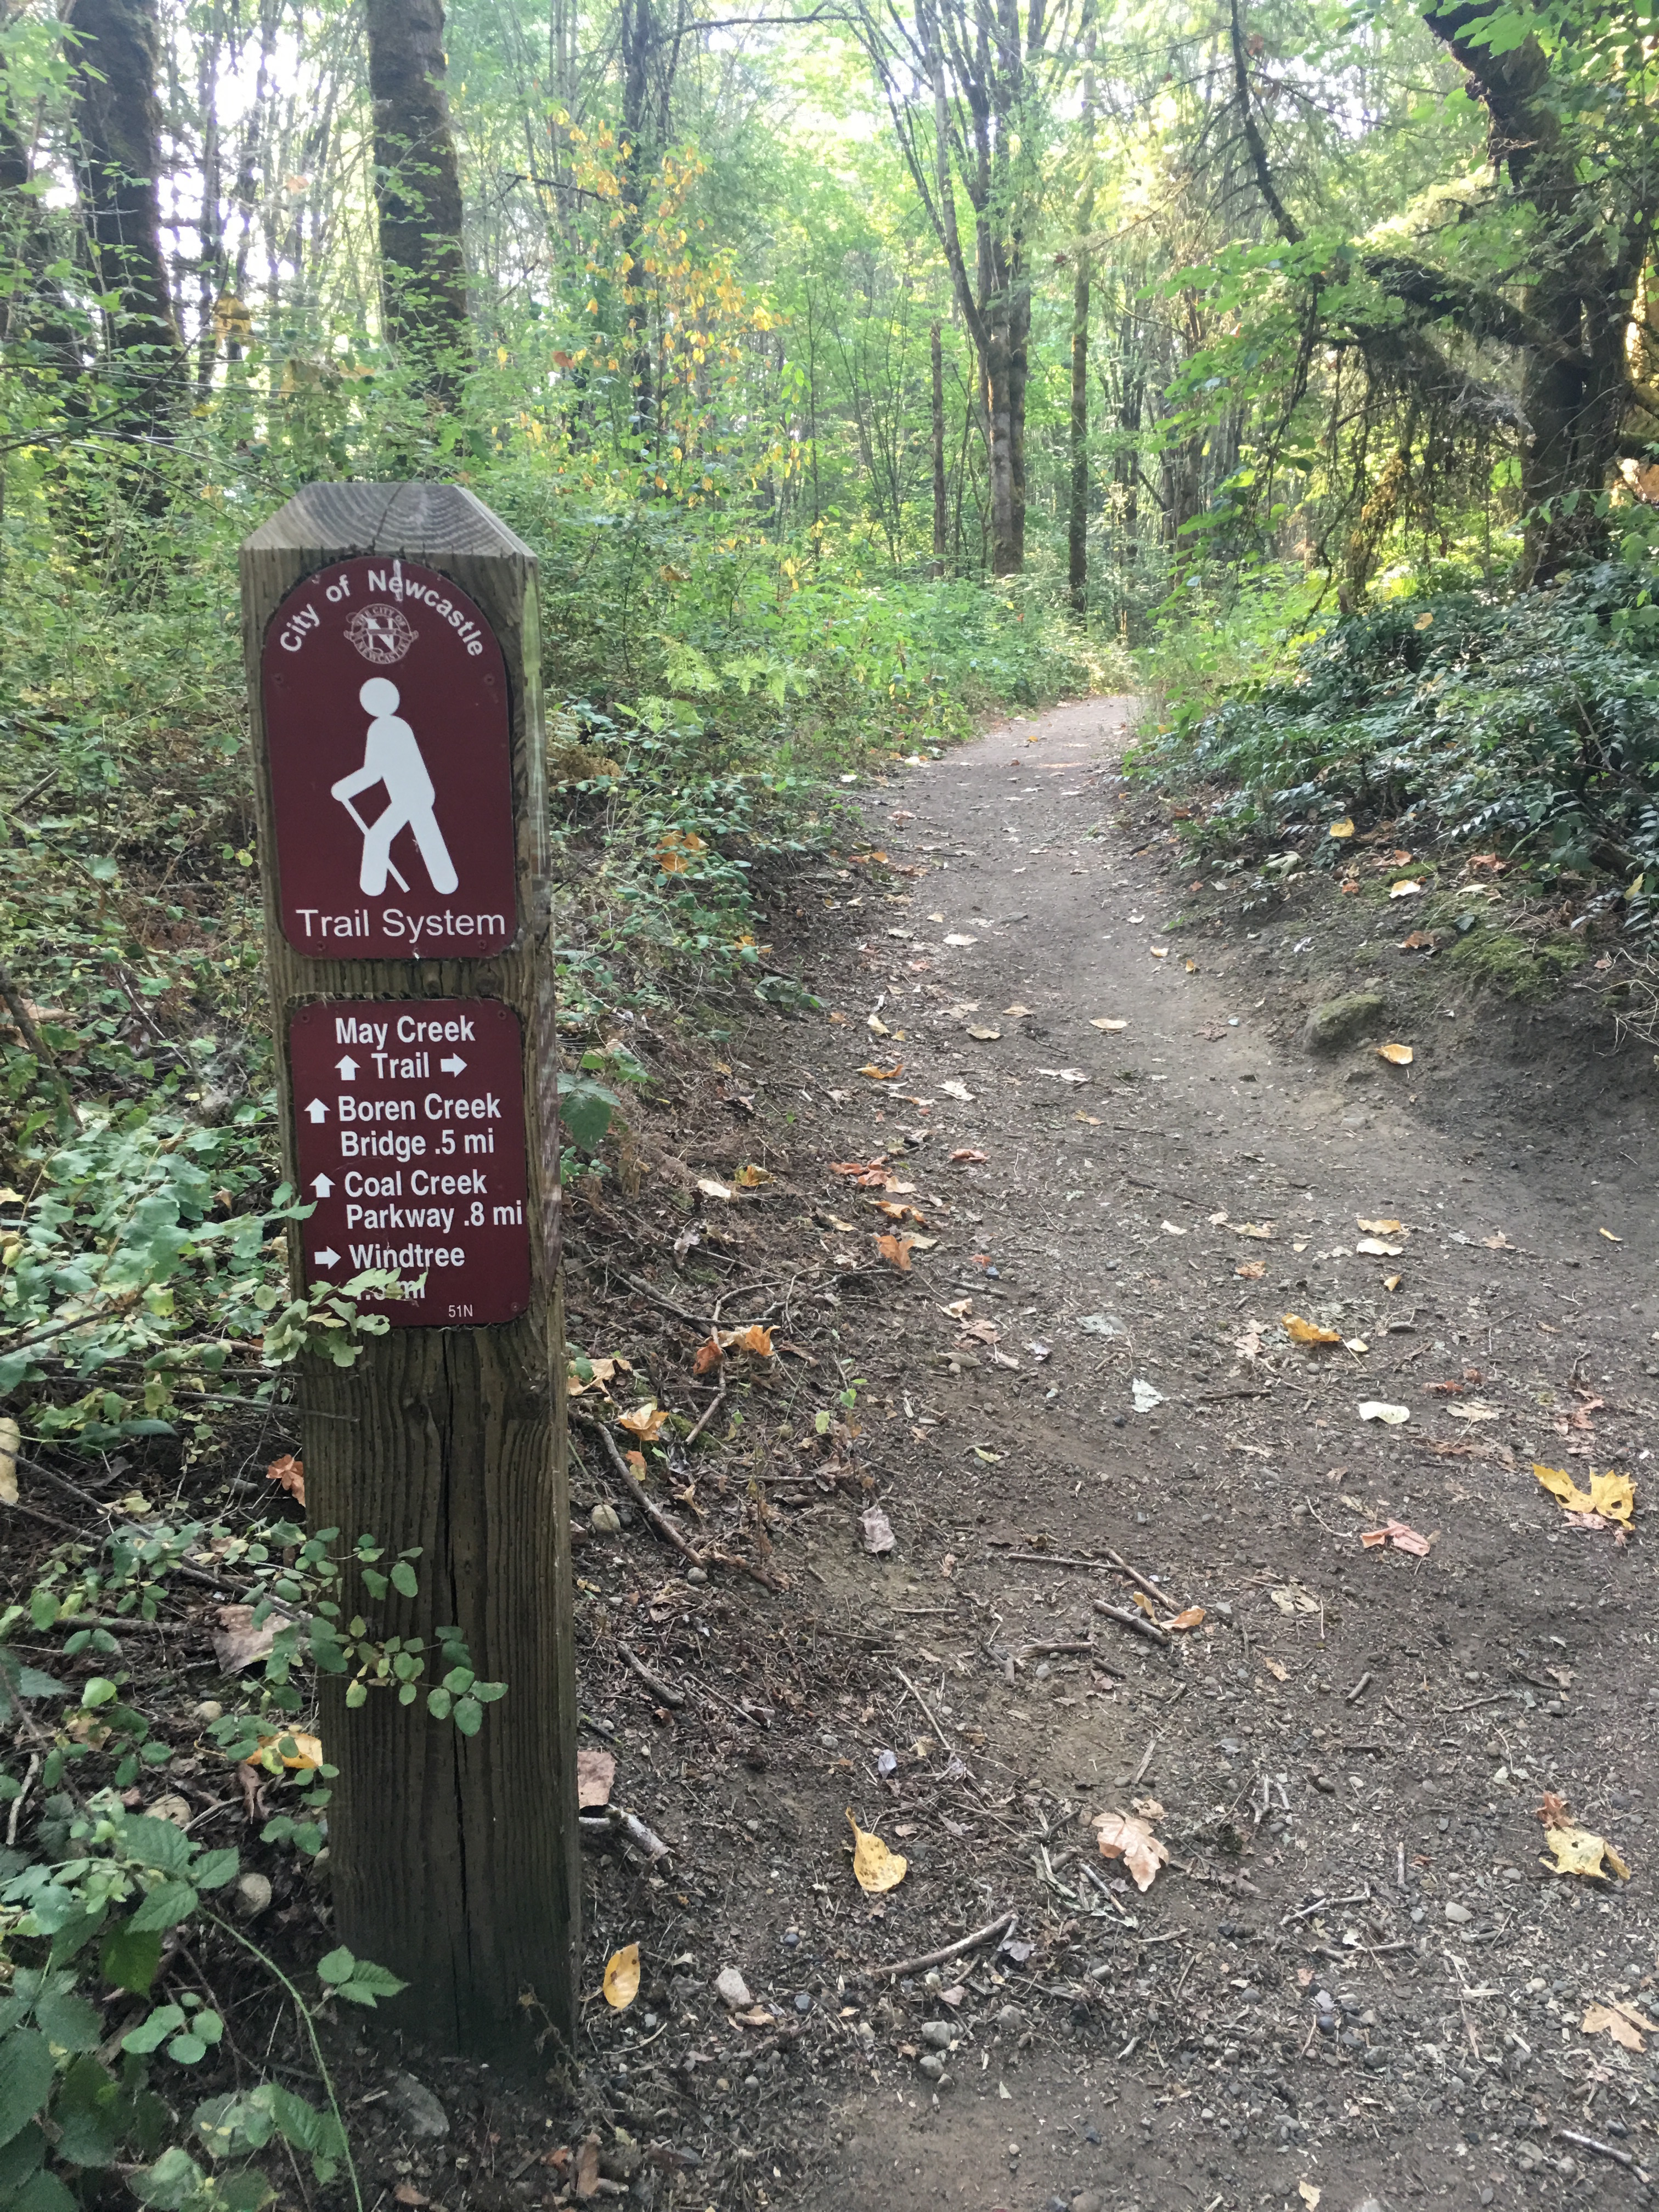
[1307,1332]
[1252,1270]
[876,1867]
[1171,1230]
[646,1422]
[1125,1836]
[406,2193]
[307,1751]
[1576,1851]
[1145,1398]
[1261,1230]
[1279,1674]
[1474,1411]
[1192,1617]
[1602,2020]
[11,1439]
[1017,1013]
[897,1250]
[1403,1539]
[878,1531]
[585,2175]
[708,1356]
[1305,2189]
[710,1188]
[1608,1234]
[1408,887]
[1419,941]
[1611,1498]
[287,1470]
[1378,1248]
[1374,1409]
[1100,1021]
[985,1036]
[1553,1811]
[1397,1055]
[1291,1597]
[755,1339]
[1342,829]
[959,939]
[1158,951]
[875,1023]
[1064,1074]
[237,1643]
[678,850]
[953,1087]
[752,1178]
[1392,1282]
[1384,1226]
[882,1074]
[596,1771]
[1499,1243]
[622,1977]
[965,1155]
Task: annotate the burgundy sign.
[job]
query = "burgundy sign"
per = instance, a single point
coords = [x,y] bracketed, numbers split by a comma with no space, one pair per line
[387,721]
[410,1117]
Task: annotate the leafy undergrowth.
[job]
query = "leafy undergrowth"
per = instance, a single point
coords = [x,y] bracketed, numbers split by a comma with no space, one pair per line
[1479,736]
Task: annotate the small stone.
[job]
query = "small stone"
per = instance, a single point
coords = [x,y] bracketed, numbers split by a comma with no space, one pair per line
[602,1520]
[697,1575]
[209,1710]
[417,2108]
[1089,2200]
[938,2034]
[1341,1019]
[932,2066]
[803,2001]
[1011,2020]
[251,1896]
[1457,1914]
[731,1989]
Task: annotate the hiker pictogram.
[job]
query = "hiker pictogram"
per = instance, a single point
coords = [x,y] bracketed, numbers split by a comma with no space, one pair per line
[393,757]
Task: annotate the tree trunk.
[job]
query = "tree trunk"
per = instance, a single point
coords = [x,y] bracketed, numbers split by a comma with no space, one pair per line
[117,124]
[417,194]
[941,518]
[1077,533]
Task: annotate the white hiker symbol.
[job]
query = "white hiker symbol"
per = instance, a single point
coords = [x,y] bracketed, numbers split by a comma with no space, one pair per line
[393,758]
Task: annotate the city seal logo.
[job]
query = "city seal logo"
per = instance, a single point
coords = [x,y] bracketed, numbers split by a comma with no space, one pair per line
[381,633]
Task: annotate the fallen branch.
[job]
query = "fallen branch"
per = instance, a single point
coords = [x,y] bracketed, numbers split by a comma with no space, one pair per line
[1601,2149]
[625,1475]
[922,1702]
[991,1928]
[659,1689]
[598,1826]
[1137,1621]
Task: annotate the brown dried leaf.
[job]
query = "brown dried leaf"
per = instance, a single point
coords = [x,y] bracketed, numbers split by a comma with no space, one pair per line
[1123,1835]
[291,1474]
[896,1250]
[1602,2020]
[1307,1332]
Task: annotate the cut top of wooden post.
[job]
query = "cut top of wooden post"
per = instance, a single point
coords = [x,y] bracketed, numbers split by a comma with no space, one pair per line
[330,520]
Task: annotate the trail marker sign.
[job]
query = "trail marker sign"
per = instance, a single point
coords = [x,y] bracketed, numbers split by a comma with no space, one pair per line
[393,658]
[411,1144]
[387,725]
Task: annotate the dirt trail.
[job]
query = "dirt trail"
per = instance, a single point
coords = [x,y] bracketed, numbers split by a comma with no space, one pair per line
[1361,1724]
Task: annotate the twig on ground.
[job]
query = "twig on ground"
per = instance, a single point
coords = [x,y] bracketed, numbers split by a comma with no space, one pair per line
[1137,1621]
[1146,1761]
[664,1691]
[922,1702]
[991,1928]
[1359,1687]
[595,1826]
[1601,2149]
[625,1475]
[708,1412]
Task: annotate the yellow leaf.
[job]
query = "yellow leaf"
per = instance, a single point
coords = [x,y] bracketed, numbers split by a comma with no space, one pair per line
[1378,1248]
[1141,1599]
[881,1074]
[306,1751]
[1577,1851]
[1408,887]
[1424,621]
[1279,1674]
[1602,2020]
[1384,1226]
[1158,951]
[622,1978]
[1392,1282]
[710,1188]
[1192,1617]
[1614,1497]
[877,1868]
[1608,1234]
[1397,1055]
[1307,1332]
[755,1338]
[646,1422]
[752,1178]
[1309,2195]
[1100,1021]
[11,1439]
[1342,829]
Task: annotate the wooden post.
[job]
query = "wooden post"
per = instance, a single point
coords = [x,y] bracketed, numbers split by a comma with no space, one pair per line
[393,658]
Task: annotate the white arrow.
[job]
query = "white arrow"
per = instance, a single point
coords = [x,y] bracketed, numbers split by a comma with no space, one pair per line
[323,1185]
[328,1257]
[454,1065]
[316,1111]
[348,1068]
